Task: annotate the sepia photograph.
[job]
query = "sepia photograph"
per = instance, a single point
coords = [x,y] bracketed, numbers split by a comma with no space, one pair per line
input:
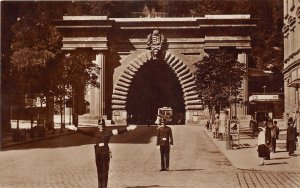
[150,94]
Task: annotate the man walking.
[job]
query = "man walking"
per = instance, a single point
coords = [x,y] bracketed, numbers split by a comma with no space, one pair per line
[274,135]
[102,152]
[164,143]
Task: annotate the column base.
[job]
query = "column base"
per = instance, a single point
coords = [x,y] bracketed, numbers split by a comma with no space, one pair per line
[119,117]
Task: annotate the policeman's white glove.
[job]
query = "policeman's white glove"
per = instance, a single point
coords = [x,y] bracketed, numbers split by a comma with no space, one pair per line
[72,127]
[131,127]
[158,147]
[171,146]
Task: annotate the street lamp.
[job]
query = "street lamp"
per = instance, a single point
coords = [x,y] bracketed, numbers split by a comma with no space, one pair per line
[264,87]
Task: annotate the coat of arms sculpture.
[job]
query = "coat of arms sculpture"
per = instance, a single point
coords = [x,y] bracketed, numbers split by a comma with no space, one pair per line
[156,41]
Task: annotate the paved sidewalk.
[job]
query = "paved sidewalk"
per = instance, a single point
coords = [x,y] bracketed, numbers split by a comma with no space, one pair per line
[247,157]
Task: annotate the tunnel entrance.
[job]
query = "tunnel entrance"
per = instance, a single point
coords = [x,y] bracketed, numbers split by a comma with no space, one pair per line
[155,85]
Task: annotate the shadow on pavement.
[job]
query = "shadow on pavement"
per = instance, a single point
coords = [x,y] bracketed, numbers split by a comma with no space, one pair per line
[188,170]
[276,163]
[149,186]
[141,135]
[278,158]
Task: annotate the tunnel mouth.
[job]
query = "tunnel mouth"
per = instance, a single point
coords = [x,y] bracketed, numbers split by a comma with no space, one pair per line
[154,86]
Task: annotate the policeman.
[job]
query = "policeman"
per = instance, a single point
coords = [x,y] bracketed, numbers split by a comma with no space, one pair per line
[102,152]
[164,143]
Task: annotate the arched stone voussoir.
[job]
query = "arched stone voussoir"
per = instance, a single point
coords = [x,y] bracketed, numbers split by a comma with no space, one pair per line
[119,102]
[191,88]
[189,84]
[193,102]
[127,76]
[125,80]
[120,88]
[118,107]
[194,107]
[191,97]
[173,59]
[123,84]
[119,97]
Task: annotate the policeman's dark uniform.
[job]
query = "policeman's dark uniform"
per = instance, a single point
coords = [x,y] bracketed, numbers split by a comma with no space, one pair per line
[164,140]
[102,152]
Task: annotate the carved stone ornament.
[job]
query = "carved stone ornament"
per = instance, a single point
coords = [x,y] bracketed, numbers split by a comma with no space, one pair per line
[285,30]
[292,21]
[298,13]
[156,41]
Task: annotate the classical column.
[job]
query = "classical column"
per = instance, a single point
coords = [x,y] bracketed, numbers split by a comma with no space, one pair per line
[97,95]
[243,109]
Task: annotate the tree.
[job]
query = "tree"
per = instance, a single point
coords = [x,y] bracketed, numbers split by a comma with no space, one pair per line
[36,45]
[218,77]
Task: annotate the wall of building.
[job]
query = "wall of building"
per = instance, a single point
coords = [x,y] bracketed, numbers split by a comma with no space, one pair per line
[291,30]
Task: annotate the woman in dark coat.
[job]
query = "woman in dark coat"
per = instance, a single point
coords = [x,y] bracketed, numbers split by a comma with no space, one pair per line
[291,137]
[262,149]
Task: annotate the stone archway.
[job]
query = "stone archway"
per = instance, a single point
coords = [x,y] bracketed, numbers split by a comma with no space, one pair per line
[129,69]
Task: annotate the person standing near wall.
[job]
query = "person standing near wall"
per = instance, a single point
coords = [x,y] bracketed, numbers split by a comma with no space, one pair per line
[217,126]
[253,126]
[102,151]
[291,137]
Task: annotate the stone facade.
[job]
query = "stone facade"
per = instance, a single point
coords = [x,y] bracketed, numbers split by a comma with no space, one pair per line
[291,31]
[121,46]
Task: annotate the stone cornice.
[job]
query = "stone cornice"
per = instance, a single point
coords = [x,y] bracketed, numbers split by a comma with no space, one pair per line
[290,67]
[291,56]
[96,43]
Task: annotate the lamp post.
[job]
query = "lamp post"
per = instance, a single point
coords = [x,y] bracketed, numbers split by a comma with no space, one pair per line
[264,87]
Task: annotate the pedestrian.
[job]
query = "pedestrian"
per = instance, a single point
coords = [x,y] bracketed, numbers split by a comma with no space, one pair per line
[158,120]
[262,149]
[291,137]
[217,126]
[268,136]
[274,136]
[102,151]
[164,144]
[253,126]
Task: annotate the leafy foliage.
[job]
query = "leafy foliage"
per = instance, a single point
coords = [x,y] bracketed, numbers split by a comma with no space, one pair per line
[218,77]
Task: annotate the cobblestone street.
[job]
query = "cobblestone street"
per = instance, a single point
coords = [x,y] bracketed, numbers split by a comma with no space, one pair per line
[68,161]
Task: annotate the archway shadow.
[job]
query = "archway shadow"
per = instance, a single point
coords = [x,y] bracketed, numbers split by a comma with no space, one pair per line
[141,135]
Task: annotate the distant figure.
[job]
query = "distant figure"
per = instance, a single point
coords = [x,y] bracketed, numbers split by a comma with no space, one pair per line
[291,137]
[253,126]
[263,149]
[164,143]
[207,124]
[102,152]
[217,126]
[158,120]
